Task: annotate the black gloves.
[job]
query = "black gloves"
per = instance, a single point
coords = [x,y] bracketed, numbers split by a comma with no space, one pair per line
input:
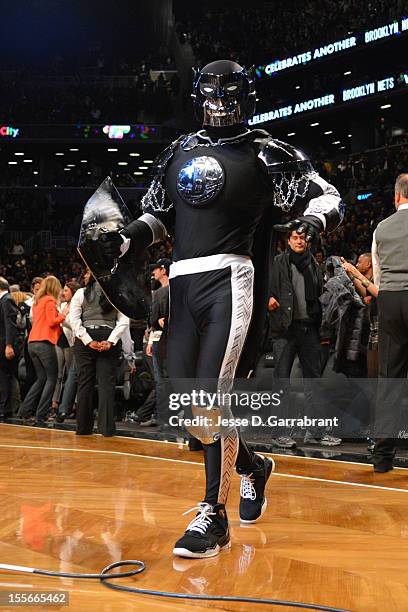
[138,231]
[110,244]
[309,225]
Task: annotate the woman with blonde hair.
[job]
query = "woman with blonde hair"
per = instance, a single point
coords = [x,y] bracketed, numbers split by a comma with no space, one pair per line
[64,348]
[44,335]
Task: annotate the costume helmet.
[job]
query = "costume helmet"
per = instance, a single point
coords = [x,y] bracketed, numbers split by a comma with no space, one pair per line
[223,93]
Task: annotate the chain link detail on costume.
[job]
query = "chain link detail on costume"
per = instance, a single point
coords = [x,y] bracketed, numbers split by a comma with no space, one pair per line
[287,188]
[155,197]
[196,140]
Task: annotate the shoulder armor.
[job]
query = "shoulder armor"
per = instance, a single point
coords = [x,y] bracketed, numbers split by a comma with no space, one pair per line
[161,161]
[154,200]
[281,156]
[190,141]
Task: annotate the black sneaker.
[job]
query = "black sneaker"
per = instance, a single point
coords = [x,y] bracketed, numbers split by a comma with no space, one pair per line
[253,502]
[195,445]
[383,464]
[206,535]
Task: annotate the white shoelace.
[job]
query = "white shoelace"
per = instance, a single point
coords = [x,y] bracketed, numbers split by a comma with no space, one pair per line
[247,490]
[202,521]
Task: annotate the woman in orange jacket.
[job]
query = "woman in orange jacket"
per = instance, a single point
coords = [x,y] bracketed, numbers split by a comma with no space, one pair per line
[43,337]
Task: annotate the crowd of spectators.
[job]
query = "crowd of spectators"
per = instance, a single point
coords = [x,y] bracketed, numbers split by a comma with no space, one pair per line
[358,175]
[257,35]
[25,213]
[54,173]
[87,88]
[90,87]
[141,99]
[371,174]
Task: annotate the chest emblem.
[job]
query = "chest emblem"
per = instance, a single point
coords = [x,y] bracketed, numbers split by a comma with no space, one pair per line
[200,180]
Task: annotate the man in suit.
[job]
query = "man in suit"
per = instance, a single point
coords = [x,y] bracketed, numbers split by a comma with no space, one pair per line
[8,338]
[390,257]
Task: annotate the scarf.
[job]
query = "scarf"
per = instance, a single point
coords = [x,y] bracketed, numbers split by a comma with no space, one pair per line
[304,264]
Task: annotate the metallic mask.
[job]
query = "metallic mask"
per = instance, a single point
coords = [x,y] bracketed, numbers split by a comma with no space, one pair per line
[224,94]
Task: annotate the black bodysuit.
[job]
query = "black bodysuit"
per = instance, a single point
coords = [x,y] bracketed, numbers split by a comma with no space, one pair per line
[212,195]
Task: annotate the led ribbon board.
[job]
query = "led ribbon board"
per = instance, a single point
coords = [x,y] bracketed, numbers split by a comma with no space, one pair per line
[387,84]
[117,132]
[363,197]
[8,131]
[387,31]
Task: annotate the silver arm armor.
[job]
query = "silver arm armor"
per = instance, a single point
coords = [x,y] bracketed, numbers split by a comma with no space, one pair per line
[158,228]
[294,179]
[328,206]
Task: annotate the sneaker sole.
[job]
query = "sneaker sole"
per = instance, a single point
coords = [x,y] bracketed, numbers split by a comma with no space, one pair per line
[265,502]
[184,552]
[264,506]
[330,443]
[286,446]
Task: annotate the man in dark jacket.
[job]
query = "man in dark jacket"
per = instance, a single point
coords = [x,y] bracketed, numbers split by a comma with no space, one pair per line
[157,345]
[295,318]
[8,349]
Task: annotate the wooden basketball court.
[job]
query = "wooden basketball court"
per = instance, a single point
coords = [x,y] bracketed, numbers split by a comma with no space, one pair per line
[334,533]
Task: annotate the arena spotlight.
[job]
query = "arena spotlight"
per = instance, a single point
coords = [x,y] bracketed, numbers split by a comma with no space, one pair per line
[112,150]
[74,149]
[291,133]
[18,153]
[384,106]
[134,154]
[28,161]
[329,132]
[349,135]
[314,124]
[59,154]
[347,72]
[12,163]
[297,87]
[122,163]
[138,173]
[336,141]
[147,161]
[143,168]
[35,172]
[84,161]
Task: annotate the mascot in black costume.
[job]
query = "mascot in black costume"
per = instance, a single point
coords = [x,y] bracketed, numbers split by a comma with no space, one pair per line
[219,192]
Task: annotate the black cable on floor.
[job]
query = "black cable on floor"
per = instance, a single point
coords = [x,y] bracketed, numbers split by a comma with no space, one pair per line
[105,576]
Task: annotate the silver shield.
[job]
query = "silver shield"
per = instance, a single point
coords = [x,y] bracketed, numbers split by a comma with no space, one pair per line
[200,180]
[122,281]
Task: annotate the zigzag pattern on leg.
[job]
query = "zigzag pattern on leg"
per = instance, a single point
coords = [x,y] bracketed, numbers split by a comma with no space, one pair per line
[242,303]
[229,451]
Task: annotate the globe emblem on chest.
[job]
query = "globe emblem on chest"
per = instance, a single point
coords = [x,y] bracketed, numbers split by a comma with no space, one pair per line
[200,180]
